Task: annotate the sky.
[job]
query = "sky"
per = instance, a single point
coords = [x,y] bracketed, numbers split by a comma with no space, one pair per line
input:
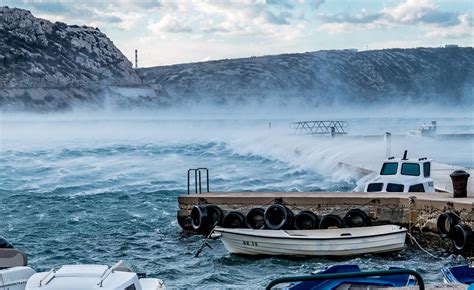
[180,31]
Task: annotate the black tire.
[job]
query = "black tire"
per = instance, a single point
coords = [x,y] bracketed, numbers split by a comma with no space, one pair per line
[330,220]
[446,223]
[278,217]
[255,218]
[199,218]
[462,238]
[215,215]
[233,219]
[306,220]
[356,218]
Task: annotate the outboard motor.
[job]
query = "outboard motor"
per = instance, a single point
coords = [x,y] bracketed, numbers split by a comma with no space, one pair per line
[4,244]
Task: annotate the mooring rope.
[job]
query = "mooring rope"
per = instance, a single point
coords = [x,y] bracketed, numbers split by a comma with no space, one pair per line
[413,239]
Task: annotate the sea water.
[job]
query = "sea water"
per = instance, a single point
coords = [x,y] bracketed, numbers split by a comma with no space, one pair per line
[99,190]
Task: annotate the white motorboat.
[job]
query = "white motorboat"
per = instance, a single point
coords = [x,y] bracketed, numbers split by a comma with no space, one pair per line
[424,130]
[403,175]
[86,277]
[328,242]
[13,270]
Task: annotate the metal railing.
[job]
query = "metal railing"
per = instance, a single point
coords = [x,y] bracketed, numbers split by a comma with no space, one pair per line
[198,179]
[338,276]
[46,276]
[319,127]
[108,272]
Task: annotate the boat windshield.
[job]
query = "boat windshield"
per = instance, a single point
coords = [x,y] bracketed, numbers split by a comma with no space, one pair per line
[412,169]
[389,168]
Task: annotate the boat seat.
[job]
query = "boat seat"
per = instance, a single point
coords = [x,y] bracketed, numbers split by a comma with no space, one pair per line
[12,258]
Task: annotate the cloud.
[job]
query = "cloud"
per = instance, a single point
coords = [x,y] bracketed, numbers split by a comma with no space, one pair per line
[464,28]
[169,24]
[421,13]
[228,18]
[121,14]
[361,18]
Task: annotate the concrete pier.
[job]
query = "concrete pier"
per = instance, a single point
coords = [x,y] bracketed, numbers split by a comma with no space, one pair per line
[415,210]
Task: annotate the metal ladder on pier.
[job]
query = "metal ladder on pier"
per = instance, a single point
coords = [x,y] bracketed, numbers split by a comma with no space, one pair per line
[198,180]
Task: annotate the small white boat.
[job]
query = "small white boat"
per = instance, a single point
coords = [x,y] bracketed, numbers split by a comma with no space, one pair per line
[85,277]
[424,130]
[329,242]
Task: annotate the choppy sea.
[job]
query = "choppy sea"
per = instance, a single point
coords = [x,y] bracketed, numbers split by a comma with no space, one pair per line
[99,190]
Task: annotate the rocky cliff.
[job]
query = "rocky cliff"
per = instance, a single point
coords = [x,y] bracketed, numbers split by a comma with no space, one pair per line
[48,66]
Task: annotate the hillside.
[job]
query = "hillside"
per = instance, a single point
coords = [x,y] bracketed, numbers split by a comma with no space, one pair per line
[47,66]
[433,74]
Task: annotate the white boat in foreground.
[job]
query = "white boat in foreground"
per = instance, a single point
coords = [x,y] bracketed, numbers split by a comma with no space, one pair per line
[14,271]
[329,242]
[85,277]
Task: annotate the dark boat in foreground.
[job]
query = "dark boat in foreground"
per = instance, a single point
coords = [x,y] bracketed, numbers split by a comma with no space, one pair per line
[459,274]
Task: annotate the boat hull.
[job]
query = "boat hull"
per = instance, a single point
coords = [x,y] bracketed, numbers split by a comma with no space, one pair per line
[250,242]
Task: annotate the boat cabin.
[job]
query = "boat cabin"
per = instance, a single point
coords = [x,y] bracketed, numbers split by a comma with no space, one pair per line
[403,175]
[424,130]
[82,277]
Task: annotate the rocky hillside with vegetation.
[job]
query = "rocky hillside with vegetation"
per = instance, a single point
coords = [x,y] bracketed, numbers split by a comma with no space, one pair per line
[50,66]
[47,66]
[421,74]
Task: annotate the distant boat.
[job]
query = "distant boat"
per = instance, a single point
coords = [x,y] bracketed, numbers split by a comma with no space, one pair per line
[459,275]
[424,130]
[392,281]
[327,242]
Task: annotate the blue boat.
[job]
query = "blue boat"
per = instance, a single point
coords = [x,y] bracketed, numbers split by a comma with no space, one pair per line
[459,274]
[402,280]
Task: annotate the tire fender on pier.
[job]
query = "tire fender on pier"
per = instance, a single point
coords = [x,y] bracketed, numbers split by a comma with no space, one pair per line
[278,217]
[255,218]
[199,217]
[446,223]
[233,219]
[306,220]
[330,221]
[356,218]
[462,238]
